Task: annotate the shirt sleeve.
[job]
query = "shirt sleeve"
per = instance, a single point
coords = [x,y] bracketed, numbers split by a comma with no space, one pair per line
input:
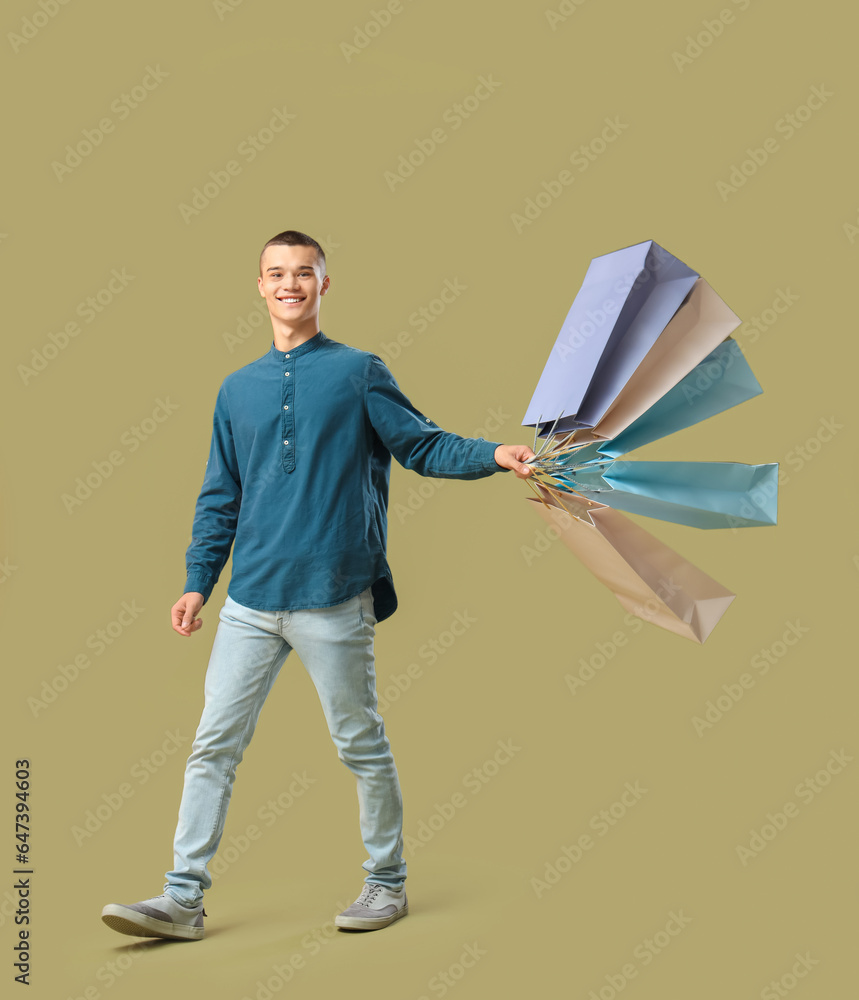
[217,510]
[417,442]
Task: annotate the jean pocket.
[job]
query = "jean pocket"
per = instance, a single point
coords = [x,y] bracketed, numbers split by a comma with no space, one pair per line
[368,607]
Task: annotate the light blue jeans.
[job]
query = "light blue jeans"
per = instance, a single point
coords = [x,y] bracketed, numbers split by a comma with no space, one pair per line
[336,647]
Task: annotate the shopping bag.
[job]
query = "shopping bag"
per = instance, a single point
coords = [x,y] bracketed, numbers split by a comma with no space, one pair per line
[651,580]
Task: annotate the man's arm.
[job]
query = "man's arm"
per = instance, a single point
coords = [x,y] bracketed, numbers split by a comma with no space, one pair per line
[215,520]
[419,444]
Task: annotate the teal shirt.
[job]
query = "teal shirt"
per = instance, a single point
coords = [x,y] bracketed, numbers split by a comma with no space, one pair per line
[298,474]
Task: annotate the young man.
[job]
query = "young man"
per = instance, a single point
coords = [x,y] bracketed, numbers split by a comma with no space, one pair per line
[297,478]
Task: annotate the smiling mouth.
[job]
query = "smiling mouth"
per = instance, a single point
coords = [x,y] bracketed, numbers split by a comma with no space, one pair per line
[290,300]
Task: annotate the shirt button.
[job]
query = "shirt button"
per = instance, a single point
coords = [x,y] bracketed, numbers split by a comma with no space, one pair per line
[286,355]
[286,442]
[428,420]
[285,374]
[286,407]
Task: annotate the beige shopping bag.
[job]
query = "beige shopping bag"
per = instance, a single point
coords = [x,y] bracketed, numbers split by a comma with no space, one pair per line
[649,579]
[701,323]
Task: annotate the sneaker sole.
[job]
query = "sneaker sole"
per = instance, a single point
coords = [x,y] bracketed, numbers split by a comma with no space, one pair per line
[368,923]
[124,920]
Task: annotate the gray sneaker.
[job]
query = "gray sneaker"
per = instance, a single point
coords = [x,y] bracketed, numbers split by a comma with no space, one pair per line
[377,906]
[160,917]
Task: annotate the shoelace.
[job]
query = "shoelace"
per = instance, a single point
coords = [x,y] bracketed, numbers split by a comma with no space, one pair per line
[369,893]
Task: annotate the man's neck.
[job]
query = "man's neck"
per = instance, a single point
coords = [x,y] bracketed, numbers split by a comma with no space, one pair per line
[287,338]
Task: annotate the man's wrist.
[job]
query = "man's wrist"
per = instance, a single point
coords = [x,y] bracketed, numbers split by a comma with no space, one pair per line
[499,467]
[199,585]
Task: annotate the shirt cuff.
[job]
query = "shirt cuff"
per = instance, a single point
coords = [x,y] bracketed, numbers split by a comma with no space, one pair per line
[489,462]
[199,585]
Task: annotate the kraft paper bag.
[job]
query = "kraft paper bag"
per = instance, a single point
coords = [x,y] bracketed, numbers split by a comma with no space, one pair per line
[650,580]
[701,323]
[722,380]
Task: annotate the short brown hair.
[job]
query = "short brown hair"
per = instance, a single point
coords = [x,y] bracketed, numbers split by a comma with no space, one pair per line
[291,238]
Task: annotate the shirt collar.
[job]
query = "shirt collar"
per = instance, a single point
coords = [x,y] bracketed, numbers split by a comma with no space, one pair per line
[296,352]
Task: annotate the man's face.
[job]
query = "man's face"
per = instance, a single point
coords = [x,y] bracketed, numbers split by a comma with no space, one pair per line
[290,283]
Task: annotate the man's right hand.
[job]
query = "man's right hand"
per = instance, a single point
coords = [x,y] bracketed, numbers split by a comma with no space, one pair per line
[184,612]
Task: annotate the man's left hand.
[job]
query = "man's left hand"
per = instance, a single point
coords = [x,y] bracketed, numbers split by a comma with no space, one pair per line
[513,456]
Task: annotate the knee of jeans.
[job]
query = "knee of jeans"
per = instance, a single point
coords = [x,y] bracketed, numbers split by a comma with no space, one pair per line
[364,743]
[211,744]
[367,760]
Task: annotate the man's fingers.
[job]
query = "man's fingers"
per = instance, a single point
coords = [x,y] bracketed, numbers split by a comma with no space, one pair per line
[188,628]
[183,614]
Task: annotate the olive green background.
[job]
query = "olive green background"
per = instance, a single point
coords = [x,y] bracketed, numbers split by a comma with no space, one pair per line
[468,549]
